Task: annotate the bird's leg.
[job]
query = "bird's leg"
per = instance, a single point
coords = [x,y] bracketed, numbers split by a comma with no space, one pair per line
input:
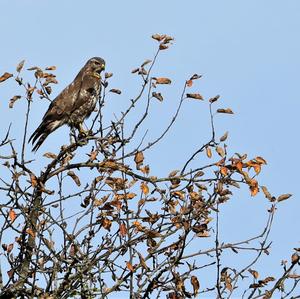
[82,131]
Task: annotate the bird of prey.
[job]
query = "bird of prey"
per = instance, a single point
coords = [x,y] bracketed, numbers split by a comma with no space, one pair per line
[74,104]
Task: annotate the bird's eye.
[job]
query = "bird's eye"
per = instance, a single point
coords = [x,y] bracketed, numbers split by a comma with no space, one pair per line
[97,62]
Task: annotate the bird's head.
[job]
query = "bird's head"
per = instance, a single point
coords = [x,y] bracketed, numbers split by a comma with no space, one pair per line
[95,65]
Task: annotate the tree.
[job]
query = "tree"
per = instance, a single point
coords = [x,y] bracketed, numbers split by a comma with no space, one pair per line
[119,228]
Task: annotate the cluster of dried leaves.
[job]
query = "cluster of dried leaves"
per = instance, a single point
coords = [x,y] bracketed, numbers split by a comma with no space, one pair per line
[89,226]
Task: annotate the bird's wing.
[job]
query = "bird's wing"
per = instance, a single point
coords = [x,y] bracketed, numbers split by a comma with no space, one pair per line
[90,87]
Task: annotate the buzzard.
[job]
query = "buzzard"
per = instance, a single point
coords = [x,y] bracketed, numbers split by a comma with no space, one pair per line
[74,104]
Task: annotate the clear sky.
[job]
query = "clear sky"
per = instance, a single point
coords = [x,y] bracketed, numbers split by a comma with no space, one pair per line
[247,51]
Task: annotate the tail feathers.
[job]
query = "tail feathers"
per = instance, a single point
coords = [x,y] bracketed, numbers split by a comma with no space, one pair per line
[41,133]
[40,140]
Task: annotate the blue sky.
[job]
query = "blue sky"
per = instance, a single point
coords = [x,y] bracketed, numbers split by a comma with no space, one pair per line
[247,51]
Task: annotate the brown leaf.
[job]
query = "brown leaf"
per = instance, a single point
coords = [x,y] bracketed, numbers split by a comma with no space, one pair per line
[162,80]
[261,160]
[10,273]
[129,267]
[74,177]
[254,273]
[108,75]
[163,47]
[135,70]
[146,62]
[208,152]
[12,215]
[117,91]
[139,159]
[195,77]
[173,173]
[196,96]
[196,285]
[142,262]
[224,137]
[106,223]
[50,155]
[145,170]
[220,151]
[295,258]
[13,100]
[283,197]
[189,83]
[30,232]
[5,76]
[228,111]
[266,192]
[224,170]
[144,188]
[10,247]
[158,37]
[20,66]
[214,99]
[123,230]
[33,180]
[158,96]
[50,68]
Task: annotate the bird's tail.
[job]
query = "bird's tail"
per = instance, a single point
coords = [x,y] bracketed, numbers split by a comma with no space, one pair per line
[41,133]
[39,136]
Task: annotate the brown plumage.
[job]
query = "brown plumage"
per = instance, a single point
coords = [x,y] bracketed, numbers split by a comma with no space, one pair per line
[75,103]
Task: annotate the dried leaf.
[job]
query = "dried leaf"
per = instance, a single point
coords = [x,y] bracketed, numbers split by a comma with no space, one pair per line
[135,70]
[20,66]
[196,285]
[146,62]
[10,247]
[224,170]
[214,99]
[266,192]
[295,258]
[145,170]
[74,177]
[108,75]
[50,155]
[196,96]
[224,137]
[123,230]
[283,197]
[254,273]
[50,68]
[144,188]
[162,80]
[173,173]
[189,83]
[228,111]
[208,152]
[13,100]
[129,267]
[33,180]
[106,223]
[139,159]
[158,37]
[158,96]
[30,232]
[117,91]
[5,76]
[220,151]
[142,262]
[12,215]
[261,160]
[163,47]
[195,77]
